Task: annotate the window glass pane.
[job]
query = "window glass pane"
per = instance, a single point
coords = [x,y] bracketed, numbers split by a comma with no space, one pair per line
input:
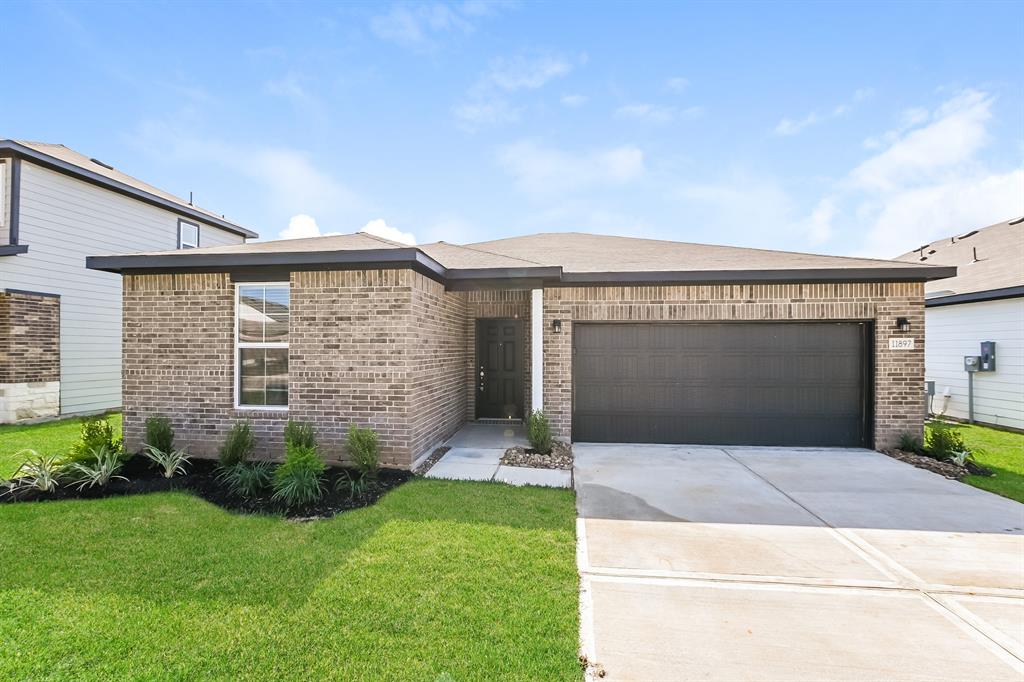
[276,363]
[189,236]
[263,376]
[250,314]
[276,310]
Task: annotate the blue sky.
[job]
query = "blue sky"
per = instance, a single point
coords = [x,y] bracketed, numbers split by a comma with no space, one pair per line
[857,129]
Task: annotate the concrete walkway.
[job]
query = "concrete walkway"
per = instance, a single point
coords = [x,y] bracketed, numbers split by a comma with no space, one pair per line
[790,564]
[475,453]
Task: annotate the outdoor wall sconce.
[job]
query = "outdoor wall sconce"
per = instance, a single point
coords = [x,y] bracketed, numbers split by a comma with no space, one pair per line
[556,326]
[903,324]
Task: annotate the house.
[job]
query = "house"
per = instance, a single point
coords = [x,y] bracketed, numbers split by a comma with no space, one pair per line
[984,302]
[60,323]
[615,339]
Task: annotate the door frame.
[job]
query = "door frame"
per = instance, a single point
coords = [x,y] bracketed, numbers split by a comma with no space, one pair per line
[521,361]
[867,330]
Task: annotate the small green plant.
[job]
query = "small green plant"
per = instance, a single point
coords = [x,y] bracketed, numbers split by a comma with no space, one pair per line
[364,450]
[355,486]
[538,432]
[238,445]
[170,463]
[159,434]
[910,443]
[98,470]
[96,433]
[248,479]
[944,439]
[42,473]
[300,434]
[960,458]
[299,480]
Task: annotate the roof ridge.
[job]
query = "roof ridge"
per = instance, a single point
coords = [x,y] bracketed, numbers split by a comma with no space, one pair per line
[385,240]
[493,253]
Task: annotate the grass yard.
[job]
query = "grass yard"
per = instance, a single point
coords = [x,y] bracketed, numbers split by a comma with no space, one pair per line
[439,581]
[1000,451]
[47,438]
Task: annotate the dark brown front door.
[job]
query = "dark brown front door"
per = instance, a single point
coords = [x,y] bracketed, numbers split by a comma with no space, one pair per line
[499,369]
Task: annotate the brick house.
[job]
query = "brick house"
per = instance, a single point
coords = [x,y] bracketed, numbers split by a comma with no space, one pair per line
[616,339]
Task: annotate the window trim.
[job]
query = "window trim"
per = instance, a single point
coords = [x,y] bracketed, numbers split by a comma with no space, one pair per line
[182,221]
[236,372]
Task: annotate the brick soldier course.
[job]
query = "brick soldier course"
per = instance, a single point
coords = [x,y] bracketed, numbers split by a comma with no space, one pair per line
[392,345]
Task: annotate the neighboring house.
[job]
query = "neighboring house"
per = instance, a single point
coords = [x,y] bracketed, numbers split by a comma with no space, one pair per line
[984,302]
[616,339]
[60,323]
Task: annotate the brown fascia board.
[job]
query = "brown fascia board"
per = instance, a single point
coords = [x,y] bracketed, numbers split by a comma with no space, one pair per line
[11,149]
[300,260]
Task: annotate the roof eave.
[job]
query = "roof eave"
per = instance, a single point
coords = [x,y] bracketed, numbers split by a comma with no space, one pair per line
[975,296]
[796,276]
[10,148]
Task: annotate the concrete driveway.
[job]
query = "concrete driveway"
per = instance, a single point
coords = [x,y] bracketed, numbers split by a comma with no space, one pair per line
[793,564]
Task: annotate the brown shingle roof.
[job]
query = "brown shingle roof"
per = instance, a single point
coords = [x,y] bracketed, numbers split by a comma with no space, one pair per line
[96,168]
[986,259]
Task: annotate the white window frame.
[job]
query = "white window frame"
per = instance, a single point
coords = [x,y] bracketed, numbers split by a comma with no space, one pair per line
[237,374]
[181,237]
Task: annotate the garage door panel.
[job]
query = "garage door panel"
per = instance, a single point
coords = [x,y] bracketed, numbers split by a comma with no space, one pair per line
[746,383]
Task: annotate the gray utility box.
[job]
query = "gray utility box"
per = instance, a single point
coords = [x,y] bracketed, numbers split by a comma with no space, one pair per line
[988,356]
[972,363]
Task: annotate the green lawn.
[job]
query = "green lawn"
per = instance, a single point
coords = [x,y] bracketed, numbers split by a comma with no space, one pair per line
[48,438]
[438,581]
[1000,451]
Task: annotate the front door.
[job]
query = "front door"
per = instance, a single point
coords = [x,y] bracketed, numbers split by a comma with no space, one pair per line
[499,375]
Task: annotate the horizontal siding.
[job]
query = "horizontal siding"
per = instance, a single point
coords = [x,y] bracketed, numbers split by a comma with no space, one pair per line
[957,330]
[62,221]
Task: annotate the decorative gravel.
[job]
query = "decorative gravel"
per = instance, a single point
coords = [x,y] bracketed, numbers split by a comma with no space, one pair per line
[559,458]
[947,469]
[434,458]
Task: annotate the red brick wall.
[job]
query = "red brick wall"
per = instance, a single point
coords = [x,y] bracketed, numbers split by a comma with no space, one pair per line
[899,375]
[29,337]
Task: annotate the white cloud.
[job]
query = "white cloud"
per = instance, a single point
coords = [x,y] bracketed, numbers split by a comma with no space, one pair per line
[794,126]
[473,115]
[819,225]
[677,84]
[957,132]
[543,170]
[291,88]
[525,72]
[656,114]
[574,101]
[417,26]
[380,228]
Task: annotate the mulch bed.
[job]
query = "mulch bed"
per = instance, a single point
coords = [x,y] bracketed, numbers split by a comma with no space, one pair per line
[433,459]
[560,457]
[943,468]
[202,480]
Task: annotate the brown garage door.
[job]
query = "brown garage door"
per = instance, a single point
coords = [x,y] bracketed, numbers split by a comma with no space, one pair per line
[755,383]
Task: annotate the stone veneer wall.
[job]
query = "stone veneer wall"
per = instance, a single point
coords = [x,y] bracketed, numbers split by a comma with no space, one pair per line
[499,303]
[899,375]
[377,348]
[29,355]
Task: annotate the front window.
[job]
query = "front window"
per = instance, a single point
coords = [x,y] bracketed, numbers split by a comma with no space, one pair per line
[188,235]
[262,344]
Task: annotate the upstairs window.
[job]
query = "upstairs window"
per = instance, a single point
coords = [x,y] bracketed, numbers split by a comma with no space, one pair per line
[188,235]
[261,346]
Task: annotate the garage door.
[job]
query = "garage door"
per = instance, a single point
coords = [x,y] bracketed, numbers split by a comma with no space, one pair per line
[728,383]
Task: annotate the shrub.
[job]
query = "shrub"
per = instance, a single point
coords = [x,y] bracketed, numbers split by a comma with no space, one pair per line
[910,443]
[960,458]
[299,480]
[96,433]
[238,445]
[247,479]
[363,449]
[299,434]
[944,440]
[159,434]
[99,470]
[355,486]
[169,462]
[538,431]
[39,472]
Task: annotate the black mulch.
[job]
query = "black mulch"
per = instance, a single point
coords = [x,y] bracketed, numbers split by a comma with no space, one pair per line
[202,480]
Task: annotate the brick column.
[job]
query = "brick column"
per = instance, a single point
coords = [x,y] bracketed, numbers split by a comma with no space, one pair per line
[29,355]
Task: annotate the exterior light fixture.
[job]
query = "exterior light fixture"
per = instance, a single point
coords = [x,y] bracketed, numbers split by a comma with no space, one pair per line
[903,324]
[556,326]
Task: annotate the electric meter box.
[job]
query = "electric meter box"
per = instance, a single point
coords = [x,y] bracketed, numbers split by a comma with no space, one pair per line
[972,363]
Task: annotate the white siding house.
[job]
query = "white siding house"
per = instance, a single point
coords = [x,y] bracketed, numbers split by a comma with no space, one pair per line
[60,217]
[984,302]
